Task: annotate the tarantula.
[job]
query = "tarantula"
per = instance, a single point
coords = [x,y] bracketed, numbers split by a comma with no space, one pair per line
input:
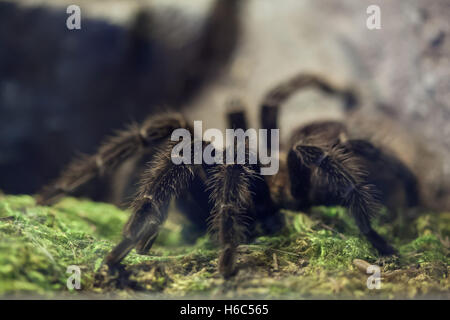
[321,164]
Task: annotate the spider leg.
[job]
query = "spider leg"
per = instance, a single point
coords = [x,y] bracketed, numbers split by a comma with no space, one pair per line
[162,181]
[232,199]
[114,151]
[339,172]
[239,196]
[220,36]
[396,173]
[283,91]
[236,116]
[264,207]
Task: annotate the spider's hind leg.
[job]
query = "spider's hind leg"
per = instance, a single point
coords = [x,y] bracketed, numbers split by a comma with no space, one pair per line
[278,95]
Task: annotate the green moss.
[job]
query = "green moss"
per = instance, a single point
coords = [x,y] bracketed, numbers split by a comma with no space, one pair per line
[426,248]
[312,257]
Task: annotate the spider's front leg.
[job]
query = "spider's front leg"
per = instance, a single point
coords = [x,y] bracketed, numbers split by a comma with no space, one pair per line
[340,174]
[161,181]
[231,196]
[113,152]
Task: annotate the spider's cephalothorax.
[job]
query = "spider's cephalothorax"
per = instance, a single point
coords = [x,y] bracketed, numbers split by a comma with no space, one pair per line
[321,164]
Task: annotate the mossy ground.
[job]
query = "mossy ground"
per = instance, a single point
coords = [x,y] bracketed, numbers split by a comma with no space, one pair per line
[312,257]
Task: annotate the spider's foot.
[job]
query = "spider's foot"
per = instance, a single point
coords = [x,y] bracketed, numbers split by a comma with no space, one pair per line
[386,250]
[113,277]
[49,196]
[115,269]
[388,261]
[228,274]
[227,259]
[383,248]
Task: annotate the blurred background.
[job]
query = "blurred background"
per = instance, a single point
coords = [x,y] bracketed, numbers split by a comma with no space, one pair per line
[62,91]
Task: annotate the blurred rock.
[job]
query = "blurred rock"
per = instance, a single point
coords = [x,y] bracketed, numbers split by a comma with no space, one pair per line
[402,70]
[62,91]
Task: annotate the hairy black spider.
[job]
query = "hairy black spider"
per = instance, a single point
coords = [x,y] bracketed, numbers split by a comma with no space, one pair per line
[321,164]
